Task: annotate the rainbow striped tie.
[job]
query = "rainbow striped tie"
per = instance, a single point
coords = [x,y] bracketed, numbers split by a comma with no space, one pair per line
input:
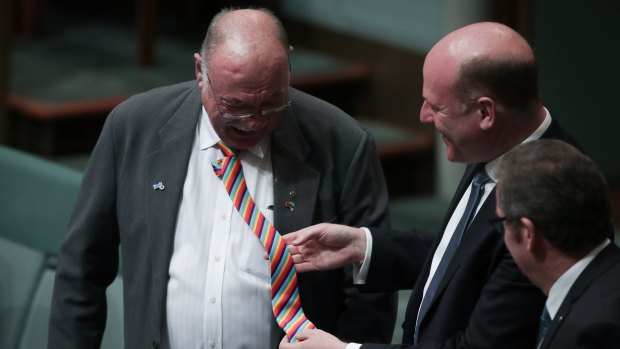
[285,300]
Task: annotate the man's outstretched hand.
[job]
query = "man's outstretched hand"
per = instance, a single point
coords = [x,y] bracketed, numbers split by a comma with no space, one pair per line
[326,246]
[313,339]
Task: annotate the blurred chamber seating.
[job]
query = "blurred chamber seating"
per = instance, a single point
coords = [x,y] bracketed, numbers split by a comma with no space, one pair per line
[62,85]
[37,198]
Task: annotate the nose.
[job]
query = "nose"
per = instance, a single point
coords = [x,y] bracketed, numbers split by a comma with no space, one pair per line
[255,122]
[426,113]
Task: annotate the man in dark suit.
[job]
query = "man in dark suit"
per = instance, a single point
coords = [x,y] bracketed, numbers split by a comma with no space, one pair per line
[194,273]
[480,92]
[555,208]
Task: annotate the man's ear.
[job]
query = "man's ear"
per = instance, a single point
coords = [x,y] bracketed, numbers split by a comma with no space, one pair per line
[198,70]
[486,109]
[528,232]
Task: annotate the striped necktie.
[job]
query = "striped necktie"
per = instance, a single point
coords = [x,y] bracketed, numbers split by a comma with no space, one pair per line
[285,300]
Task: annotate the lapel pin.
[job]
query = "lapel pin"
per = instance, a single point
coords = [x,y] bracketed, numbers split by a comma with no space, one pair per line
[290,205]
[158,186]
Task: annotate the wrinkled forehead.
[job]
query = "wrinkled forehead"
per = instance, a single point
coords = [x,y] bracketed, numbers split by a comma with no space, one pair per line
[234,62]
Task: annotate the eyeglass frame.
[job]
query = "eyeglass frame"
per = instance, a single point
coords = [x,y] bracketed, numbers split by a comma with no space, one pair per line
[497,223]
[234,117]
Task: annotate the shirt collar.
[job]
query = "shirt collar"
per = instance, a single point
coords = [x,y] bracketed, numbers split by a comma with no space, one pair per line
[560,288]
[492,166]
[208,138]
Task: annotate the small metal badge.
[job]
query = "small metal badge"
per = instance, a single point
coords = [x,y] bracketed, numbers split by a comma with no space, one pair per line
[290,205]
[158,186]
[292,195]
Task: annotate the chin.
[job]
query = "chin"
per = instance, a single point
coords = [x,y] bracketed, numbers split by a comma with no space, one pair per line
[243,143]
[451,155]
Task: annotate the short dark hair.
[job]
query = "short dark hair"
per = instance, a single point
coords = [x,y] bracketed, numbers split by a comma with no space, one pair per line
[561,190]
[510,81]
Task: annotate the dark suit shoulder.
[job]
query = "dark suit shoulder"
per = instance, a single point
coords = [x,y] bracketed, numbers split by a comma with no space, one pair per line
[324,124]
[146,113]
[153,105]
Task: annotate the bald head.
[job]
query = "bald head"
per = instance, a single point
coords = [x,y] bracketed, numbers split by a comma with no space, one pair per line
[484,40]
[244,34]
[490,59]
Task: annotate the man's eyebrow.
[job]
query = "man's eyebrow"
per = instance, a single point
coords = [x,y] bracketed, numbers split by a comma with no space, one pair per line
[231,101]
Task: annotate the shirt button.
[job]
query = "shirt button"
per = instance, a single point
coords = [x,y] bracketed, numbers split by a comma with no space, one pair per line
[223,216]
[212,299]
[217,258]
[211,343]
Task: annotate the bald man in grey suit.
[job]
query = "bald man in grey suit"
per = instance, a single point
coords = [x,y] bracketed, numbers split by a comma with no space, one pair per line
[143,183]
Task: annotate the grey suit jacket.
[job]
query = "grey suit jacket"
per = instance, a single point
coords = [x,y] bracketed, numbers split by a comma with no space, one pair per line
[318,151]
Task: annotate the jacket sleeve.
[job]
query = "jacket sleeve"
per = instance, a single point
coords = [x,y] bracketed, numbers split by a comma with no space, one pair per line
[364,202]
[88,258]
[397,258]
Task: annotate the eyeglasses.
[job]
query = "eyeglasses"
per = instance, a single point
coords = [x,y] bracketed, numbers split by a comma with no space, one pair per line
[498,223]
[240,116]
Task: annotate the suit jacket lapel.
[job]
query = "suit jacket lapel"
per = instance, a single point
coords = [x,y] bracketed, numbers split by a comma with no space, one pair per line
[296,184]
[167,163]
[416,296]
[603,261]
[468,176]
[479,225]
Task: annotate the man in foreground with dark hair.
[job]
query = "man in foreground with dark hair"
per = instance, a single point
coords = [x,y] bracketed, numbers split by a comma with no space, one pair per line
[554,206]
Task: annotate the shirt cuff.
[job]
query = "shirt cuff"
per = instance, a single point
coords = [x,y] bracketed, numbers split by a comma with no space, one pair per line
[360,270]
[353,346]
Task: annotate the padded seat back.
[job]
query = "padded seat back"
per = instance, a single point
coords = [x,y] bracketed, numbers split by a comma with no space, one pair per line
[37,197]
[36,326]
[20,271]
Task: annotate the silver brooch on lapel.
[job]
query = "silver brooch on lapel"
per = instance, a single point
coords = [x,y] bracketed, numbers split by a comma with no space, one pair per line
[290,204]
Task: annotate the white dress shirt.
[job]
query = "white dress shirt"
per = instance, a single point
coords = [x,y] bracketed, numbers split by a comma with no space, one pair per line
[491,168]
[219,286]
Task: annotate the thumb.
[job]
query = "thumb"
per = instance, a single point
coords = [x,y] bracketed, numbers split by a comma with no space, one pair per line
[305,334]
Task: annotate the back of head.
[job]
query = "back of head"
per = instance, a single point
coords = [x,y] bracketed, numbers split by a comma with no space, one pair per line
[494,61]
[561,190]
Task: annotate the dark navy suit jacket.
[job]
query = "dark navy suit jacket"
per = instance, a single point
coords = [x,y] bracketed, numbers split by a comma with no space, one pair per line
[483,301]
[589,316]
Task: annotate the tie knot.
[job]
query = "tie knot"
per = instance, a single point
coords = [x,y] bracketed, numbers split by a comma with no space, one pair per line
[228,151]
[481,178]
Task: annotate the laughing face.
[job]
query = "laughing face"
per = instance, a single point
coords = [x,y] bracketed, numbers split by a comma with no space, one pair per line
[457,123]
[237,86]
